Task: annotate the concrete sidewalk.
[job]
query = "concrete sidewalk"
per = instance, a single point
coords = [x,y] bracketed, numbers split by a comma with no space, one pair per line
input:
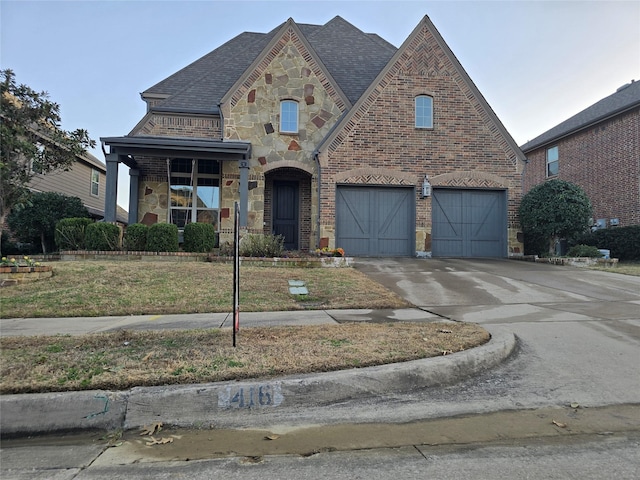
[81,325]
[229,403]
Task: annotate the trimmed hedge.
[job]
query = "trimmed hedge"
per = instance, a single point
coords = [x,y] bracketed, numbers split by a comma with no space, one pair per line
[199,237]
[135,237]
[162,237]
[624,242]
[584,251]
[102,236]
[70,233]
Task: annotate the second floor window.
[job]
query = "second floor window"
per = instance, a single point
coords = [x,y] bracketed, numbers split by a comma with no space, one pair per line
[289,116]
[95,182]
[424,111]
[552,162]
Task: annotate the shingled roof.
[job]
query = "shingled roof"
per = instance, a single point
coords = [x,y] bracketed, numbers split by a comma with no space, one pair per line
[625,98]
[353,59]
[200,85]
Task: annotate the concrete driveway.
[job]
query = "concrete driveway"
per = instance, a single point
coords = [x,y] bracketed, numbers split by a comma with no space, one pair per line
[492,291]
[578,330]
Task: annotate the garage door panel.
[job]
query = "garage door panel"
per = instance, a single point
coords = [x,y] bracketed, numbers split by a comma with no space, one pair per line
[485,248]
[447,214]
[469,223]
[355,223]
[451,247]
[392,211]
[375,221]
[358,215]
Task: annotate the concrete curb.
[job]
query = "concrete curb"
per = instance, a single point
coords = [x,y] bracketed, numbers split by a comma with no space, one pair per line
[231,402]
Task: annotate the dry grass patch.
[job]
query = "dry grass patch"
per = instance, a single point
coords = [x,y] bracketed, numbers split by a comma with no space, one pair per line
[121,360]
[626,268]
[101,288]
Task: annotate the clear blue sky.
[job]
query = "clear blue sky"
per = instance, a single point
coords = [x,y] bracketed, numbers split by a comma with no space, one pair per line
[537,63]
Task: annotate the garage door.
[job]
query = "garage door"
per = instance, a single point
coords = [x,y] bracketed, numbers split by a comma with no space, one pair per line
[469,223]
[375,221]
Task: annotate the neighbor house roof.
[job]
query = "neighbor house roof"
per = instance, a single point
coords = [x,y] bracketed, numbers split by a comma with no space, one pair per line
[353,58]
[625,98]
[93,161]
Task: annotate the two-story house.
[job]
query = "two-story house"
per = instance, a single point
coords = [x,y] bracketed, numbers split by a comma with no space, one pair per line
[85,179]
[599,150]
[329,136]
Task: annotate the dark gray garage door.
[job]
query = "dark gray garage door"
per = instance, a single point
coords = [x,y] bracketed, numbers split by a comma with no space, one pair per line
[375,221]
[469,223]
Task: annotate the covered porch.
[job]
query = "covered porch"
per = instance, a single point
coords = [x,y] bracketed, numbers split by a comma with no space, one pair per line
[187,172]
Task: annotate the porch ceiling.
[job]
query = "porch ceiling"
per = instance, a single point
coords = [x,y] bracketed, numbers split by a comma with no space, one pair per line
[178,147]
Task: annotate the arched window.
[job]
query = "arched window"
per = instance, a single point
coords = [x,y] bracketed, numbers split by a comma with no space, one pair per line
[289,116]
[424,111]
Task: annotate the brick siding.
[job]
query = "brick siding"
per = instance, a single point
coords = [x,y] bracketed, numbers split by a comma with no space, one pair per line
[195,126]
[462,149]
[378,146]
[605,161]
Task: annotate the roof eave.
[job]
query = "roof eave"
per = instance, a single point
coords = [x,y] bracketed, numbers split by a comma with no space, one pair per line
[161,146]
[530,146]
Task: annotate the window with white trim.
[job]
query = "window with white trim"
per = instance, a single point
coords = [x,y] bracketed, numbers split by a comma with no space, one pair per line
[424,111]
[95,182]
[552,161]
[195,191]
[289,116]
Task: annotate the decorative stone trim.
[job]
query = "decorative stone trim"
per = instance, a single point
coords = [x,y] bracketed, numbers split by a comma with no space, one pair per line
[571,261]
[129,255]
[469,179]
[310,169]
[376,176]
[15,275]
[304,262]
[310,262]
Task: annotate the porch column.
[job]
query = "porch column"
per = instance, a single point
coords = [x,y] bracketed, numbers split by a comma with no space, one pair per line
[111,197]
[244,191]
[134,177]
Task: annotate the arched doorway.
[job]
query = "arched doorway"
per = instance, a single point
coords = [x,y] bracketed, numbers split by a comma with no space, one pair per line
[287,207]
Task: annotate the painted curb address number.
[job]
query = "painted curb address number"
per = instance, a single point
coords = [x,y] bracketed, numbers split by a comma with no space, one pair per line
[252,396]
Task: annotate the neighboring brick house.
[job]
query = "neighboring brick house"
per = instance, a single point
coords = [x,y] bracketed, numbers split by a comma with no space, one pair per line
[329,136]
[599,150]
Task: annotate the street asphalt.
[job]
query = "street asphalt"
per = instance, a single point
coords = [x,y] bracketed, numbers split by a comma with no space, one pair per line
[512,300]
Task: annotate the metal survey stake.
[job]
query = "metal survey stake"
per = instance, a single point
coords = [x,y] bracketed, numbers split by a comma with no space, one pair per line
[236,272]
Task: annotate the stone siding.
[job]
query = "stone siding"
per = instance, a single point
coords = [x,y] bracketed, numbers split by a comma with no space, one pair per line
[379,145]
[252,113]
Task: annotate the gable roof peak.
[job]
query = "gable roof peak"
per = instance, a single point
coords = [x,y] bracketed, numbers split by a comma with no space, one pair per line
[403,58]
[337,19]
